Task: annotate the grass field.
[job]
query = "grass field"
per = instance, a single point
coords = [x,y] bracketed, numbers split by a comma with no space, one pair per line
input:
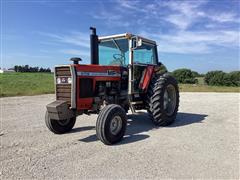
[21,84]
[206,88]
[25,84]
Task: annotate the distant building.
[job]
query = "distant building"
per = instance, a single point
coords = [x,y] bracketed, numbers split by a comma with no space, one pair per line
[4,70]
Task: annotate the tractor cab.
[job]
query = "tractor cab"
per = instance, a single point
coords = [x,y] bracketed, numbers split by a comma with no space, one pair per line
[125,49]
[136,53]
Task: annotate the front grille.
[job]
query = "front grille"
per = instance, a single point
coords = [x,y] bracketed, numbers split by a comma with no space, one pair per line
[63,71]
[63,91]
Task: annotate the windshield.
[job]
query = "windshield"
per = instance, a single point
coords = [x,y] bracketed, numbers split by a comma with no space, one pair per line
[114,52]
[145,54]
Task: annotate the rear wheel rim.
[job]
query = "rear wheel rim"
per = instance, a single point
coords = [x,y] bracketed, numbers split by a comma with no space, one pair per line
[116,125]
[170,99]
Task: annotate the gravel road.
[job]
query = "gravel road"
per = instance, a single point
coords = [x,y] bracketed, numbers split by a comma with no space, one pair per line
[202,143]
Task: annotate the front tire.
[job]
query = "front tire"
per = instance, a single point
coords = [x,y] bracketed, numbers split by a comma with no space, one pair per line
[111,124]
[59,126]
[163,100]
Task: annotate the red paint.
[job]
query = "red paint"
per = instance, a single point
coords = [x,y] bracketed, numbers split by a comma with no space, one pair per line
[146,78]
[86,103]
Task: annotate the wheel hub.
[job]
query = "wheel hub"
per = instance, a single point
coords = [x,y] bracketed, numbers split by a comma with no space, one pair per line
[64,122]
[116,125]
[170,99]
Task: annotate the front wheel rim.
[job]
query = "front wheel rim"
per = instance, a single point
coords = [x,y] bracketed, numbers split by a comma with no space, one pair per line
[116,125]
[170,99]
[64,122]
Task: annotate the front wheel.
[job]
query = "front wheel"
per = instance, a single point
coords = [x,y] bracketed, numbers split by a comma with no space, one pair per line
[111,124]
[59,126]
[163,98]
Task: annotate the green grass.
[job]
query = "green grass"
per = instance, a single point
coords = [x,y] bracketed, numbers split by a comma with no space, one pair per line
[206,88]
[202,87]
[26,84]
[200,80]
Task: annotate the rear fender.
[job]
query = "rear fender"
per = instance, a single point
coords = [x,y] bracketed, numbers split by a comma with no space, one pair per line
[146,78]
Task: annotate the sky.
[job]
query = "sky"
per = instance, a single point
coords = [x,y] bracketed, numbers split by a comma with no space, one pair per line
[202,35]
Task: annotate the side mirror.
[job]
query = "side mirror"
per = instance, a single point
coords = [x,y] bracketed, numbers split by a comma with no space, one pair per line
[137,42]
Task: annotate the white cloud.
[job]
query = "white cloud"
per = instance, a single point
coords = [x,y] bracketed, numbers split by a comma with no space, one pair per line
[183,48]
[186,42]
[76,52]
[105,15]
[184,7]
[26,55]
[179,20]
[184,13]
[110,17]
[74,38]
[219,38]
[78,39]
[224,17]
[128,4]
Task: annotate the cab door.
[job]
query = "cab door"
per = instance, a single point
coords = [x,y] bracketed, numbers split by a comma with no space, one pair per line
[145,58]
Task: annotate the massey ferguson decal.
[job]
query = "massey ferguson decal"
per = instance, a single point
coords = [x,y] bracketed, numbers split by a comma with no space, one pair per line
[109,73]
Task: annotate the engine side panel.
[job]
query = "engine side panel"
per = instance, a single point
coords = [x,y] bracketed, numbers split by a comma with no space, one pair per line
[87,77]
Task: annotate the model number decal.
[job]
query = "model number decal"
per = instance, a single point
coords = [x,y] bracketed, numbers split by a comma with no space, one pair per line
[108,73]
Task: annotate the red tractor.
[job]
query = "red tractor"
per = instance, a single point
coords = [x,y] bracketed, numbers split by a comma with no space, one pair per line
[124,73]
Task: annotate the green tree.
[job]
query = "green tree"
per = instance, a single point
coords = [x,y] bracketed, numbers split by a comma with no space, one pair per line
[220,78]
[184,76]
[195,74]
[234,77]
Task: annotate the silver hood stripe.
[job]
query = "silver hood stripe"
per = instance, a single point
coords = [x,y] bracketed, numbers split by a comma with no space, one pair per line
[106,74]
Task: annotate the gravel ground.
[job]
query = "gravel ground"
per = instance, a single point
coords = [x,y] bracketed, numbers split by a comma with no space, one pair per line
[202,143]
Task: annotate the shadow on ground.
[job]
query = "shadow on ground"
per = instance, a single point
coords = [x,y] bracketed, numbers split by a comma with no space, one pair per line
[184,119]
[79,129]
[141,122]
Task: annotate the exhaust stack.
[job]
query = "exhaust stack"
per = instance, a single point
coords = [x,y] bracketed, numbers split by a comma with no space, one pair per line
[94,46]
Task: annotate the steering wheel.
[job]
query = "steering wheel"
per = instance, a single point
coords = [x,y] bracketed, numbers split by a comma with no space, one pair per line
[118,59]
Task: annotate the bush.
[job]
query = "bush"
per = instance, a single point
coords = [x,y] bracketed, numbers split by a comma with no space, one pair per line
[235,78]
[220,78]
[195,74]
[214,78]
[185,76]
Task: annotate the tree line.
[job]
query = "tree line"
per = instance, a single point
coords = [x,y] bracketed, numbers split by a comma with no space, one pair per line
[213,78]
[27,68]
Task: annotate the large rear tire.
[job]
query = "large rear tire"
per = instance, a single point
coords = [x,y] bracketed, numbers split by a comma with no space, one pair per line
[111,124]
[59,126]
[163,100]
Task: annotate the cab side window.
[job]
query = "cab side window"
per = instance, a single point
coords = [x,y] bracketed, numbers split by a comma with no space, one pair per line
[145,54]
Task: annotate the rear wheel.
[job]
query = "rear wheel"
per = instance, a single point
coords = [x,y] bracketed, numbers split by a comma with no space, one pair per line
[163,100]
[111,124]
[59,126]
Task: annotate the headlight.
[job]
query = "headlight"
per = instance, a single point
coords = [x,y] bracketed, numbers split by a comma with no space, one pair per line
[64,80]
[69,80]
[58,80]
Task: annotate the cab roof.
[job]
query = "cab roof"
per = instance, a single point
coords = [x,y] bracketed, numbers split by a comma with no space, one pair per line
[125,35]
